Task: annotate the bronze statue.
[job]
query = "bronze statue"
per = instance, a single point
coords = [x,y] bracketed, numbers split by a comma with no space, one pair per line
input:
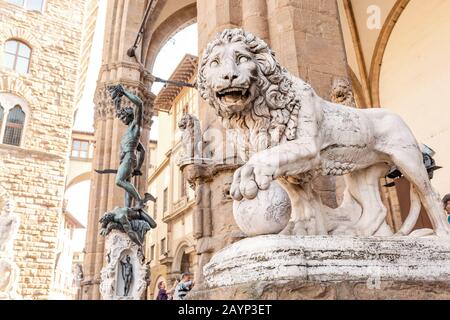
[131,219]
[130,146]
[134,223]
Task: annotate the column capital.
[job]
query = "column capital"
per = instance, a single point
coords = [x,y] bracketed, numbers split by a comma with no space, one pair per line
[104,106]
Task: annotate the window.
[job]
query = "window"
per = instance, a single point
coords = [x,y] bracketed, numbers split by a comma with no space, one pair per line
[152,252]
[14,126]
[165,200]
[155,208]
[80,149]
[17,56]
[35,5]
[163,246]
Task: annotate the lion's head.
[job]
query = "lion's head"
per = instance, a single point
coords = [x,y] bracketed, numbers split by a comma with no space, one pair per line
[249,90]
[188,121]
[342,93]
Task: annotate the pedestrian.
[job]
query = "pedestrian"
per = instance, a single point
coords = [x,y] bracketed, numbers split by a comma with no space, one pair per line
[446,203]
[162,293]
[171,292]
[183,287]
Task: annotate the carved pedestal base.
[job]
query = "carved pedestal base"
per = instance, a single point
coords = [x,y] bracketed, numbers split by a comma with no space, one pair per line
[293,267]
[115,274]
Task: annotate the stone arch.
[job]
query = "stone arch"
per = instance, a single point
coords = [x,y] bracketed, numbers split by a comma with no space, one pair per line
[178,256]
[414,78]
[15,99]
[177,21]
[20,34]
[357,90]
[85,176]
[18,88]
[380,48]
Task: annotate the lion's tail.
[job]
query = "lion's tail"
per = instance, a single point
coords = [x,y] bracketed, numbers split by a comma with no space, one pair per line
[413,214]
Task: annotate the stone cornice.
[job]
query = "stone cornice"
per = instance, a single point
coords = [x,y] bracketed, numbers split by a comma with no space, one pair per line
[13,150]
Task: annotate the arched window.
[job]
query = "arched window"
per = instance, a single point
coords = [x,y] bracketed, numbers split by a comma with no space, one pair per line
[14,126]
[17,56]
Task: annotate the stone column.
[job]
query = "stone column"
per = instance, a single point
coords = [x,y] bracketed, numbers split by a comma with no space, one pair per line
[254,18]
[307,39]
[123,21]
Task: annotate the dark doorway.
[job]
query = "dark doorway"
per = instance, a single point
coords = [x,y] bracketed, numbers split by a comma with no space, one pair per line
[404,200]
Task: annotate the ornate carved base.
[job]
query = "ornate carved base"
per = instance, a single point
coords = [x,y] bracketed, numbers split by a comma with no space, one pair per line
[322,267]
[125,275]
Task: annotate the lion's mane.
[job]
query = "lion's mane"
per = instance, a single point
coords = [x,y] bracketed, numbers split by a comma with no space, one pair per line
[273,117]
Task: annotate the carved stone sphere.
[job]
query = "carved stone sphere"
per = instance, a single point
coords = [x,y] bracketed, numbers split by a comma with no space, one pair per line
[268,213]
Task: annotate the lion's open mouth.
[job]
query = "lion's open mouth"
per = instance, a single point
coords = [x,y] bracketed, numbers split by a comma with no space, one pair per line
[233,95]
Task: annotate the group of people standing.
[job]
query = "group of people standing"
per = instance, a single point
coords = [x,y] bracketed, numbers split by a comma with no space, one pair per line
[179,290]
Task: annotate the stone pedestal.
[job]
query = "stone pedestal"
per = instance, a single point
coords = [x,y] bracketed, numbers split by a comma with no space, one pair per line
[118,247]
[316,267]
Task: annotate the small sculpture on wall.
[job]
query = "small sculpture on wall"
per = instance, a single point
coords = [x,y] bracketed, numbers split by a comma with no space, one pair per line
[127,275]
[191,137]
[342,93]
[124,275]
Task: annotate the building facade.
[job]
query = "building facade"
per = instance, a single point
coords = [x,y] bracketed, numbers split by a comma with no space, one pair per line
[389,50]
[40,45]
[171,247]
[64,284]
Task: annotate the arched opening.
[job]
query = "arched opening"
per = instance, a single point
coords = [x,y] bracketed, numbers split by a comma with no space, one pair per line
[415,74]
[185,263]
[14,119]
[413,80]
[14,126]
[77,197]
[17,56]
[166,60]
[173,18]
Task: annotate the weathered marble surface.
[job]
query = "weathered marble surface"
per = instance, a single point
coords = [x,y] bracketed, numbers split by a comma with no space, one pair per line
[268,213]
[292,135]
[118,245]
[324,259]
[327,290]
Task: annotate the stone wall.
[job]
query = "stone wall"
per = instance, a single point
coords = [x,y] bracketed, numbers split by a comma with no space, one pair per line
[34,174]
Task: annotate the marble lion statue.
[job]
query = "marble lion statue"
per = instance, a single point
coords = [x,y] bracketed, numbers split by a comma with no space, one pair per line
[191,136]
[295,136]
